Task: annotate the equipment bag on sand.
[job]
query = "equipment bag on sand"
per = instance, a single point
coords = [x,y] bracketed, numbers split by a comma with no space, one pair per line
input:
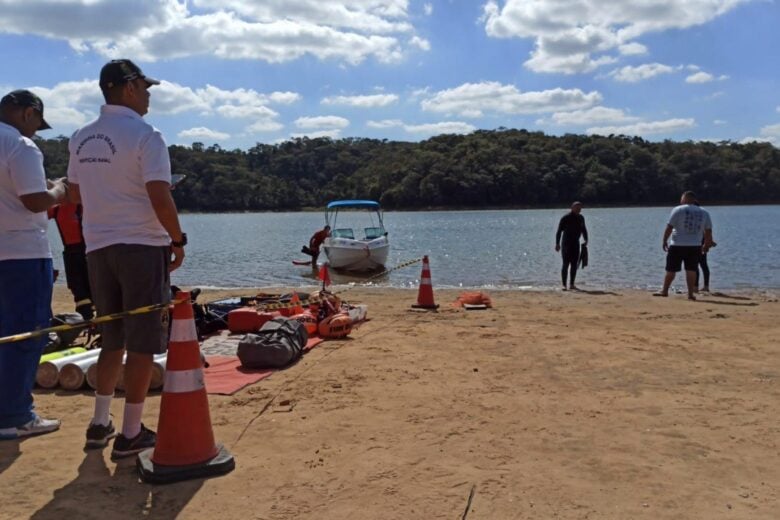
[278,343]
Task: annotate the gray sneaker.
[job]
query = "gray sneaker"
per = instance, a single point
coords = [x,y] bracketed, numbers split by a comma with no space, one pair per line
[38,426]
[124,447]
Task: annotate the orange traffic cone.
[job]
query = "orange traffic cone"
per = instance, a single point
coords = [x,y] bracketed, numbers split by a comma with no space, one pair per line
[185,446]
[295,301]
[425,294]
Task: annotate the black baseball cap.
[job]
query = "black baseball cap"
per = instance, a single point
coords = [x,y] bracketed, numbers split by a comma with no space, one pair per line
[117,72]
[25,98]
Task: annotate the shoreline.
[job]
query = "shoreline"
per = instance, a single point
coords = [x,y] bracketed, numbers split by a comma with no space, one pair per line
[61,293]
[563,207]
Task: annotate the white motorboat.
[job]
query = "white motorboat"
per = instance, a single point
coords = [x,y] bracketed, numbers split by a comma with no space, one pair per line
[358,240]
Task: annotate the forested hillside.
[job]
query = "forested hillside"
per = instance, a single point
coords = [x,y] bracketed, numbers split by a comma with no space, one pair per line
[500,168]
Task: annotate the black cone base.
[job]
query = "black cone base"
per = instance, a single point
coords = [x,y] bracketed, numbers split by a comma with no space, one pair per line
[153,473]
[429,307]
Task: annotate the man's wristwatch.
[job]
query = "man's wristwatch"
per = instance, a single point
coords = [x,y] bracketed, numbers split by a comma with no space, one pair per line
[180,243]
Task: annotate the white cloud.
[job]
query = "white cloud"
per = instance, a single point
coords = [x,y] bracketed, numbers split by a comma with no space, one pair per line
[273,30]
[770,140]
[591,116]
[369,101]
[632,49]
[629,74]
[264,126]
[700,77]
[373,16]
[70,104]
[420,43]
[428,9]
[237,111]
[475,99]
[422,92]
[64,120]
[568,64]
[172,98]
[284,98]
[445,127]
[719,122]
[777,109]
[321,123]
[703,77]
[385,123]
[81,20]
[569,33]
[668,126]
[772,131]
[201,133]
[714,95]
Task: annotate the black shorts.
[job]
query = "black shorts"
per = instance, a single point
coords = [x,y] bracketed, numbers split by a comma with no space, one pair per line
[677,255]
[124,277]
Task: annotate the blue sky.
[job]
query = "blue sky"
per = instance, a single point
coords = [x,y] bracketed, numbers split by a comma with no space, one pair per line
[238,72]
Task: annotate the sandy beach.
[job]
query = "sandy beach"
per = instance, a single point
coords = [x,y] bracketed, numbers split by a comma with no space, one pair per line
[592,404]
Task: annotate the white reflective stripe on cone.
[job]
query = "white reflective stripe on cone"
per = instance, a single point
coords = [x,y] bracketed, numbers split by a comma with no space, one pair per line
[181,381]
[183,330]
[425,280]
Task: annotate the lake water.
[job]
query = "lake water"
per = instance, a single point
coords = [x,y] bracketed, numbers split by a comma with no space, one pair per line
[487,249]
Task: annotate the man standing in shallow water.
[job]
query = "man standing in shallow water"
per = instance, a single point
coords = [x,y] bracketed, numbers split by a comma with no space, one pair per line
[690,229]
[571,227]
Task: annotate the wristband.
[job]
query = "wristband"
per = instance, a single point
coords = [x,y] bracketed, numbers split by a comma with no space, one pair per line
[180,243]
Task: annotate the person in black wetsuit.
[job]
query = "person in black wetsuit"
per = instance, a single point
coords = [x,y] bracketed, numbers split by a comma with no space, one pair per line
[705,268]
[571,227]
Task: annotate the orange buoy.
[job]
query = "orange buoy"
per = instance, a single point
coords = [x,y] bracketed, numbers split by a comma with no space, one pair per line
[308,320]
[336,326]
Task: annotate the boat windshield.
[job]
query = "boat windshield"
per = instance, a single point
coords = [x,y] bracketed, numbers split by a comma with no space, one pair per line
[346,216]
[343,233]
[373,232]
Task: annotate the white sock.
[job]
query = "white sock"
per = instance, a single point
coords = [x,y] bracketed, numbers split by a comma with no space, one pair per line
[131,423]
[102,409]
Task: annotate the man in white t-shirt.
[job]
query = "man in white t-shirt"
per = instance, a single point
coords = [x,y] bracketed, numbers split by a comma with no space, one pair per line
[690,229]
[120,170]
[26,273]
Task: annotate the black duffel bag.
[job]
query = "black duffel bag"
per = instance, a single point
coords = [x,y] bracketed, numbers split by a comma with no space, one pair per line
[277,344]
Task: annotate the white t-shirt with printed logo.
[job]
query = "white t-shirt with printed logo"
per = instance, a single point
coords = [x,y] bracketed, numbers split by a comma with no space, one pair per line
[688,222]
[112,159]
[22,232]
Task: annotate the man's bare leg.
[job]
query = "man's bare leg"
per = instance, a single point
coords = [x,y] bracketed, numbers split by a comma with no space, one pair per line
[668,279]
[690,279]
[138,374]
[108,367]
[101,428]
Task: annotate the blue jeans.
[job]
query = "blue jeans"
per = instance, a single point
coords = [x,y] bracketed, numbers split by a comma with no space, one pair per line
[25,305]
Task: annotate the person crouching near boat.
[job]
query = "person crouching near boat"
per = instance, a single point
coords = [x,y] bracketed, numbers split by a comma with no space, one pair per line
[315,242]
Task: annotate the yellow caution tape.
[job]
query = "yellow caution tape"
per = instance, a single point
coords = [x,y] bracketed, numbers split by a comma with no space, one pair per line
[84,324]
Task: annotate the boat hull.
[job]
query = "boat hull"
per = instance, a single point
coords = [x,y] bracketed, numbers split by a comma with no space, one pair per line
[356,255]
